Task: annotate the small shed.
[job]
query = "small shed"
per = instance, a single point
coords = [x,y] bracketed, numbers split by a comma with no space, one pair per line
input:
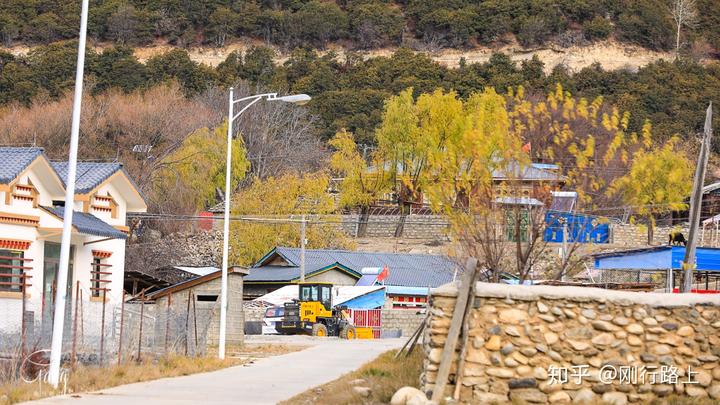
[203,295]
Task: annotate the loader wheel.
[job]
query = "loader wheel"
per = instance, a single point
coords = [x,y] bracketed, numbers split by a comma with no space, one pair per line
[319,330]
[348,332]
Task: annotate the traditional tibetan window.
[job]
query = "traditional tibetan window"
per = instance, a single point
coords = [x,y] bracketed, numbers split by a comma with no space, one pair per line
[106,204]
[100,273]
[25,192]
[13,265]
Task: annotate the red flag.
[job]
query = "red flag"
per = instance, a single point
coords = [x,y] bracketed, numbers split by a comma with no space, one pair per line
[527,147]
[383,274]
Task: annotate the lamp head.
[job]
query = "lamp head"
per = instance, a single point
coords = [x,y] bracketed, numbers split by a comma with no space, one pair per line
[299,99]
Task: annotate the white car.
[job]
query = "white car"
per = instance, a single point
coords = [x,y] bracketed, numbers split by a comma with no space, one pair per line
[272,315]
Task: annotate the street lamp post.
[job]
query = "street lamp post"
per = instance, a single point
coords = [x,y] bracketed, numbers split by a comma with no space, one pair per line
[299,99]
[62,272]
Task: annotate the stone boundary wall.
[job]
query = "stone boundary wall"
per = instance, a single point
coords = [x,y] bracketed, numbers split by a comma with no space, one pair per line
[636,235]
[406,320]
[523,338]
[383,226]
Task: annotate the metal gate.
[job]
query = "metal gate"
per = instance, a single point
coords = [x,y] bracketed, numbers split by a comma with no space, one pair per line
[368,318]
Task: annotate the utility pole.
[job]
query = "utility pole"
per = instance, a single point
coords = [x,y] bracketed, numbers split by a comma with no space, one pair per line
[302,249]
[696,204]
[62,273]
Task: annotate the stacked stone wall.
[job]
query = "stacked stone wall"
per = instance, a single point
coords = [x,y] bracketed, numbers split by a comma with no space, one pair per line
[541,344]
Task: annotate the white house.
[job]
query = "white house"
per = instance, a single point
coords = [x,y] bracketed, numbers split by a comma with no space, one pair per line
[32,193]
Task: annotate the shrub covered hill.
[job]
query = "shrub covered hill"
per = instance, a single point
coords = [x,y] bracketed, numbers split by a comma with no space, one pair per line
[349,91]
[362,23]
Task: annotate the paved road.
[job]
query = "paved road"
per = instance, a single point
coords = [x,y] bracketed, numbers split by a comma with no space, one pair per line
[267,381]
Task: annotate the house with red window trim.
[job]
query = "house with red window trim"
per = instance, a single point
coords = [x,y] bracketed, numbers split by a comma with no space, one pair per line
[32,193]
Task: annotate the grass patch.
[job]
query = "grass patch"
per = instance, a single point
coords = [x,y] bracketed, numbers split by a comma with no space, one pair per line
[384,376]
[93,378]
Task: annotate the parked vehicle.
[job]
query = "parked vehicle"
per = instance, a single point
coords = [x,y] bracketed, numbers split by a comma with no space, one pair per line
[272,316]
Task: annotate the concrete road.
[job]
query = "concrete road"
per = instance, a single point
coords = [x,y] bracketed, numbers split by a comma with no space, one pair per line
[267,381]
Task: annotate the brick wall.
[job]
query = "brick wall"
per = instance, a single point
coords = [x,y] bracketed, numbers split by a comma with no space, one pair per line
[406,320]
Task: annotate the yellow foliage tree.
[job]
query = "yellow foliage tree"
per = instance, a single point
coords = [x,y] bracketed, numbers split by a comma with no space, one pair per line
[409,133]
[361,185]
[658,182]
[193,172]
[269,202]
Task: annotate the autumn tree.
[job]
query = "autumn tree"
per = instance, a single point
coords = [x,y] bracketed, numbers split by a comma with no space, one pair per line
[194,172]
[361,184]
[409,133]
[266,205]
[658,182]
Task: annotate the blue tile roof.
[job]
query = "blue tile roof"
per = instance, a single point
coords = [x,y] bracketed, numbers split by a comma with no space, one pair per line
[406,269]
[88,223]
[88,175]
[13,160]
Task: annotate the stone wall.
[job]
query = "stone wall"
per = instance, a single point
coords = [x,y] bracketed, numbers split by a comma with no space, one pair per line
[405,320]
[543,344]
[383,226]
[631,235]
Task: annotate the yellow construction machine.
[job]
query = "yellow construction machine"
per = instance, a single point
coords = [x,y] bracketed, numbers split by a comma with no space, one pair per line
[313,313]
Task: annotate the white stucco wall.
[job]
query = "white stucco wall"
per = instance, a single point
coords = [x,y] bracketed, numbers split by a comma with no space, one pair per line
[48,230]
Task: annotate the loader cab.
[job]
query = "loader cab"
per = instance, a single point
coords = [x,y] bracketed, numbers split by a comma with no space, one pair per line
[317,292]
[315,301]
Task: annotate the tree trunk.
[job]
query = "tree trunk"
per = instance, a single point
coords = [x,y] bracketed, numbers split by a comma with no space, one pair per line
[650,226]
[363,221]
[677,42]
[404,212]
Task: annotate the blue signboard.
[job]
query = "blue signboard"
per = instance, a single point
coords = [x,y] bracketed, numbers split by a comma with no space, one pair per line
[580,228]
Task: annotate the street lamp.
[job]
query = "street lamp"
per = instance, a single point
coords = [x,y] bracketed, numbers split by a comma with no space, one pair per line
[62,271]
[298,99]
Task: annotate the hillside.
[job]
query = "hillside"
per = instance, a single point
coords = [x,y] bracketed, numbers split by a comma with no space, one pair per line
[367,24]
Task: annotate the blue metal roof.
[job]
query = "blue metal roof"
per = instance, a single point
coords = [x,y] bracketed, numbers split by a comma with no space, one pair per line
[88,223]
[13,160]
[658,258]
[372,300]
[406,269]
[88,175]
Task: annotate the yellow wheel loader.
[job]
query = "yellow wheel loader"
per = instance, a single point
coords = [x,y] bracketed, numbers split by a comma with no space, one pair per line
[313,314]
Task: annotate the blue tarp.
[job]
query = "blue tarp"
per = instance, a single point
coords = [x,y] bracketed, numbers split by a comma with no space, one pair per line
[371,300]
[581,228]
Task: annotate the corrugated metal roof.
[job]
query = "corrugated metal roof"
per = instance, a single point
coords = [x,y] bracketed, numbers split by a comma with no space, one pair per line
[88,223]
[657,258]
[515,171]
[13,160]
[88,175]
[406,269]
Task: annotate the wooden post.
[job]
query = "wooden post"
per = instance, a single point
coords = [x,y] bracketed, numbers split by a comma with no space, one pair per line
[73,355]
[142,313]
[446,359]
[187,324]
[464,342]
[696,204]
[23,326]
[195,324]
[82,318]
[102,327]
[167,323]
[122,321]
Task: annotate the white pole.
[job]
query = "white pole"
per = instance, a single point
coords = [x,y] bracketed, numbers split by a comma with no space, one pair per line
[226,234]
[62,275]
[302,250]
